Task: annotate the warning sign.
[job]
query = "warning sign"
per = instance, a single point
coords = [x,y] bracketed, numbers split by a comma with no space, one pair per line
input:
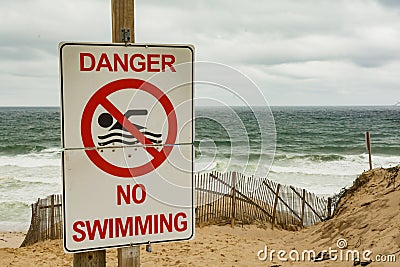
[100,99]
[127,136]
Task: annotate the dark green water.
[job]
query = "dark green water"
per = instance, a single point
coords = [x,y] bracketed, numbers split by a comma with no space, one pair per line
[321,149]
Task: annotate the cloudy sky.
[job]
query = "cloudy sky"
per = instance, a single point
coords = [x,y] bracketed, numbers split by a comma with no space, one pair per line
[308,52]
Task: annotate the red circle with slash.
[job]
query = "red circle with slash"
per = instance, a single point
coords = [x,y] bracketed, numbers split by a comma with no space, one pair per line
[100,99]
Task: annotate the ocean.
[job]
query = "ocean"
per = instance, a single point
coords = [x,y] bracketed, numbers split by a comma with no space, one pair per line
[321,149]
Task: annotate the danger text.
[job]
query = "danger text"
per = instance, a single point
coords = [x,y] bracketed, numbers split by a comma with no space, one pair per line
[126,62]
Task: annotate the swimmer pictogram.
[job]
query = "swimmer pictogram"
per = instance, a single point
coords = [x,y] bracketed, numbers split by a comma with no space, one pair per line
[119,134]
[157,154]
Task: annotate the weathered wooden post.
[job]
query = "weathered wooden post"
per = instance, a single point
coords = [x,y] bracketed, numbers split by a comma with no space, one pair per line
[123,21]
[123,31]
[91,258]
[233,207]
[275,205]
[329,207]
[95,258]
[368,139]
[38,228]
[52,214]
[303,205]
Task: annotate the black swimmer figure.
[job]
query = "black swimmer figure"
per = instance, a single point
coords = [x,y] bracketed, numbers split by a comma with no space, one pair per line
[105,120]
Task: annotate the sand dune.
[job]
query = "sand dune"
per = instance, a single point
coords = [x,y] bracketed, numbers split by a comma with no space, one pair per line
[367,218]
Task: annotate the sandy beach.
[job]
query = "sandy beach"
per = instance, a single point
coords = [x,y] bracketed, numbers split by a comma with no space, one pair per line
[367,218]
[11,239]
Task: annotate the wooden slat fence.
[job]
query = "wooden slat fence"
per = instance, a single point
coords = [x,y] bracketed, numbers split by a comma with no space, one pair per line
[224,198]
[46,220]
[221,198]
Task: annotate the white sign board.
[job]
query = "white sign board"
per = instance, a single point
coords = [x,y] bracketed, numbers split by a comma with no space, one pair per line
[127,136]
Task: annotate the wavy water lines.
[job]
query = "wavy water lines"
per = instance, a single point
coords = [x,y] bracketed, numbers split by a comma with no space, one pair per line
[122,136]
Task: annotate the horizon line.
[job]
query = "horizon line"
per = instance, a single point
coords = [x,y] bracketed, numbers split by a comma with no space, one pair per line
[350,105]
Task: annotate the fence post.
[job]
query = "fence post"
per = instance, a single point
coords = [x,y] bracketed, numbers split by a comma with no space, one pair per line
[233,207]
[34,222]
[368,138]
[329,207]
[38,221]
[52,229]
[275,204]
[303,205]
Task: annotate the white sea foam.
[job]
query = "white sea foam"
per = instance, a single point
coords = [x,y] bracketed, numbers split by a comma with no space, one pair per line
[321,177]
[24,178]
[349,165]
[47,157]
[20,187]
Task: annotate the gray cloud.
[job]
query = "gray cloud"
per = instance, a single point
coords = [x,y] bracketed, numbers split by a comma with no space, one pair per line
[389,3]
[298,52]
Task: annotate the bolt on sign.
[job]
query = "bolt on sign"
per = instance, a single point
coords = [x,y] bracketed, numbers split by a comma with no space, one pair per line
[127,138]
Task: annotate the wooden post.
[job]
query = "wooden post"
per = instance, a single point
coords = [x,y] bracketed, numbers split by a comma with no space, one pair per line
[329,207]
[34,223]
[38,221]
[201,196]
[303,205]
[129,256]
[52,227]
[122,31]
[233,207]
[91,258]
[275,205]
[368,138]
[123,21]
[122,18]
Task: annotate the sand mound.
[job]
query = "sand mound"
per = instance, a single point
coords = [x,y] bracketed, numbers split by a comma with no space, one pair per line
[367,214]
[367,217]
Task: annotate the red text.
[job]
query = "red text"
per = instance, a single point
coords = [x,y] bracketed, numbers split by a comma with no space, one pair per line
[151,224]
[126,62]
